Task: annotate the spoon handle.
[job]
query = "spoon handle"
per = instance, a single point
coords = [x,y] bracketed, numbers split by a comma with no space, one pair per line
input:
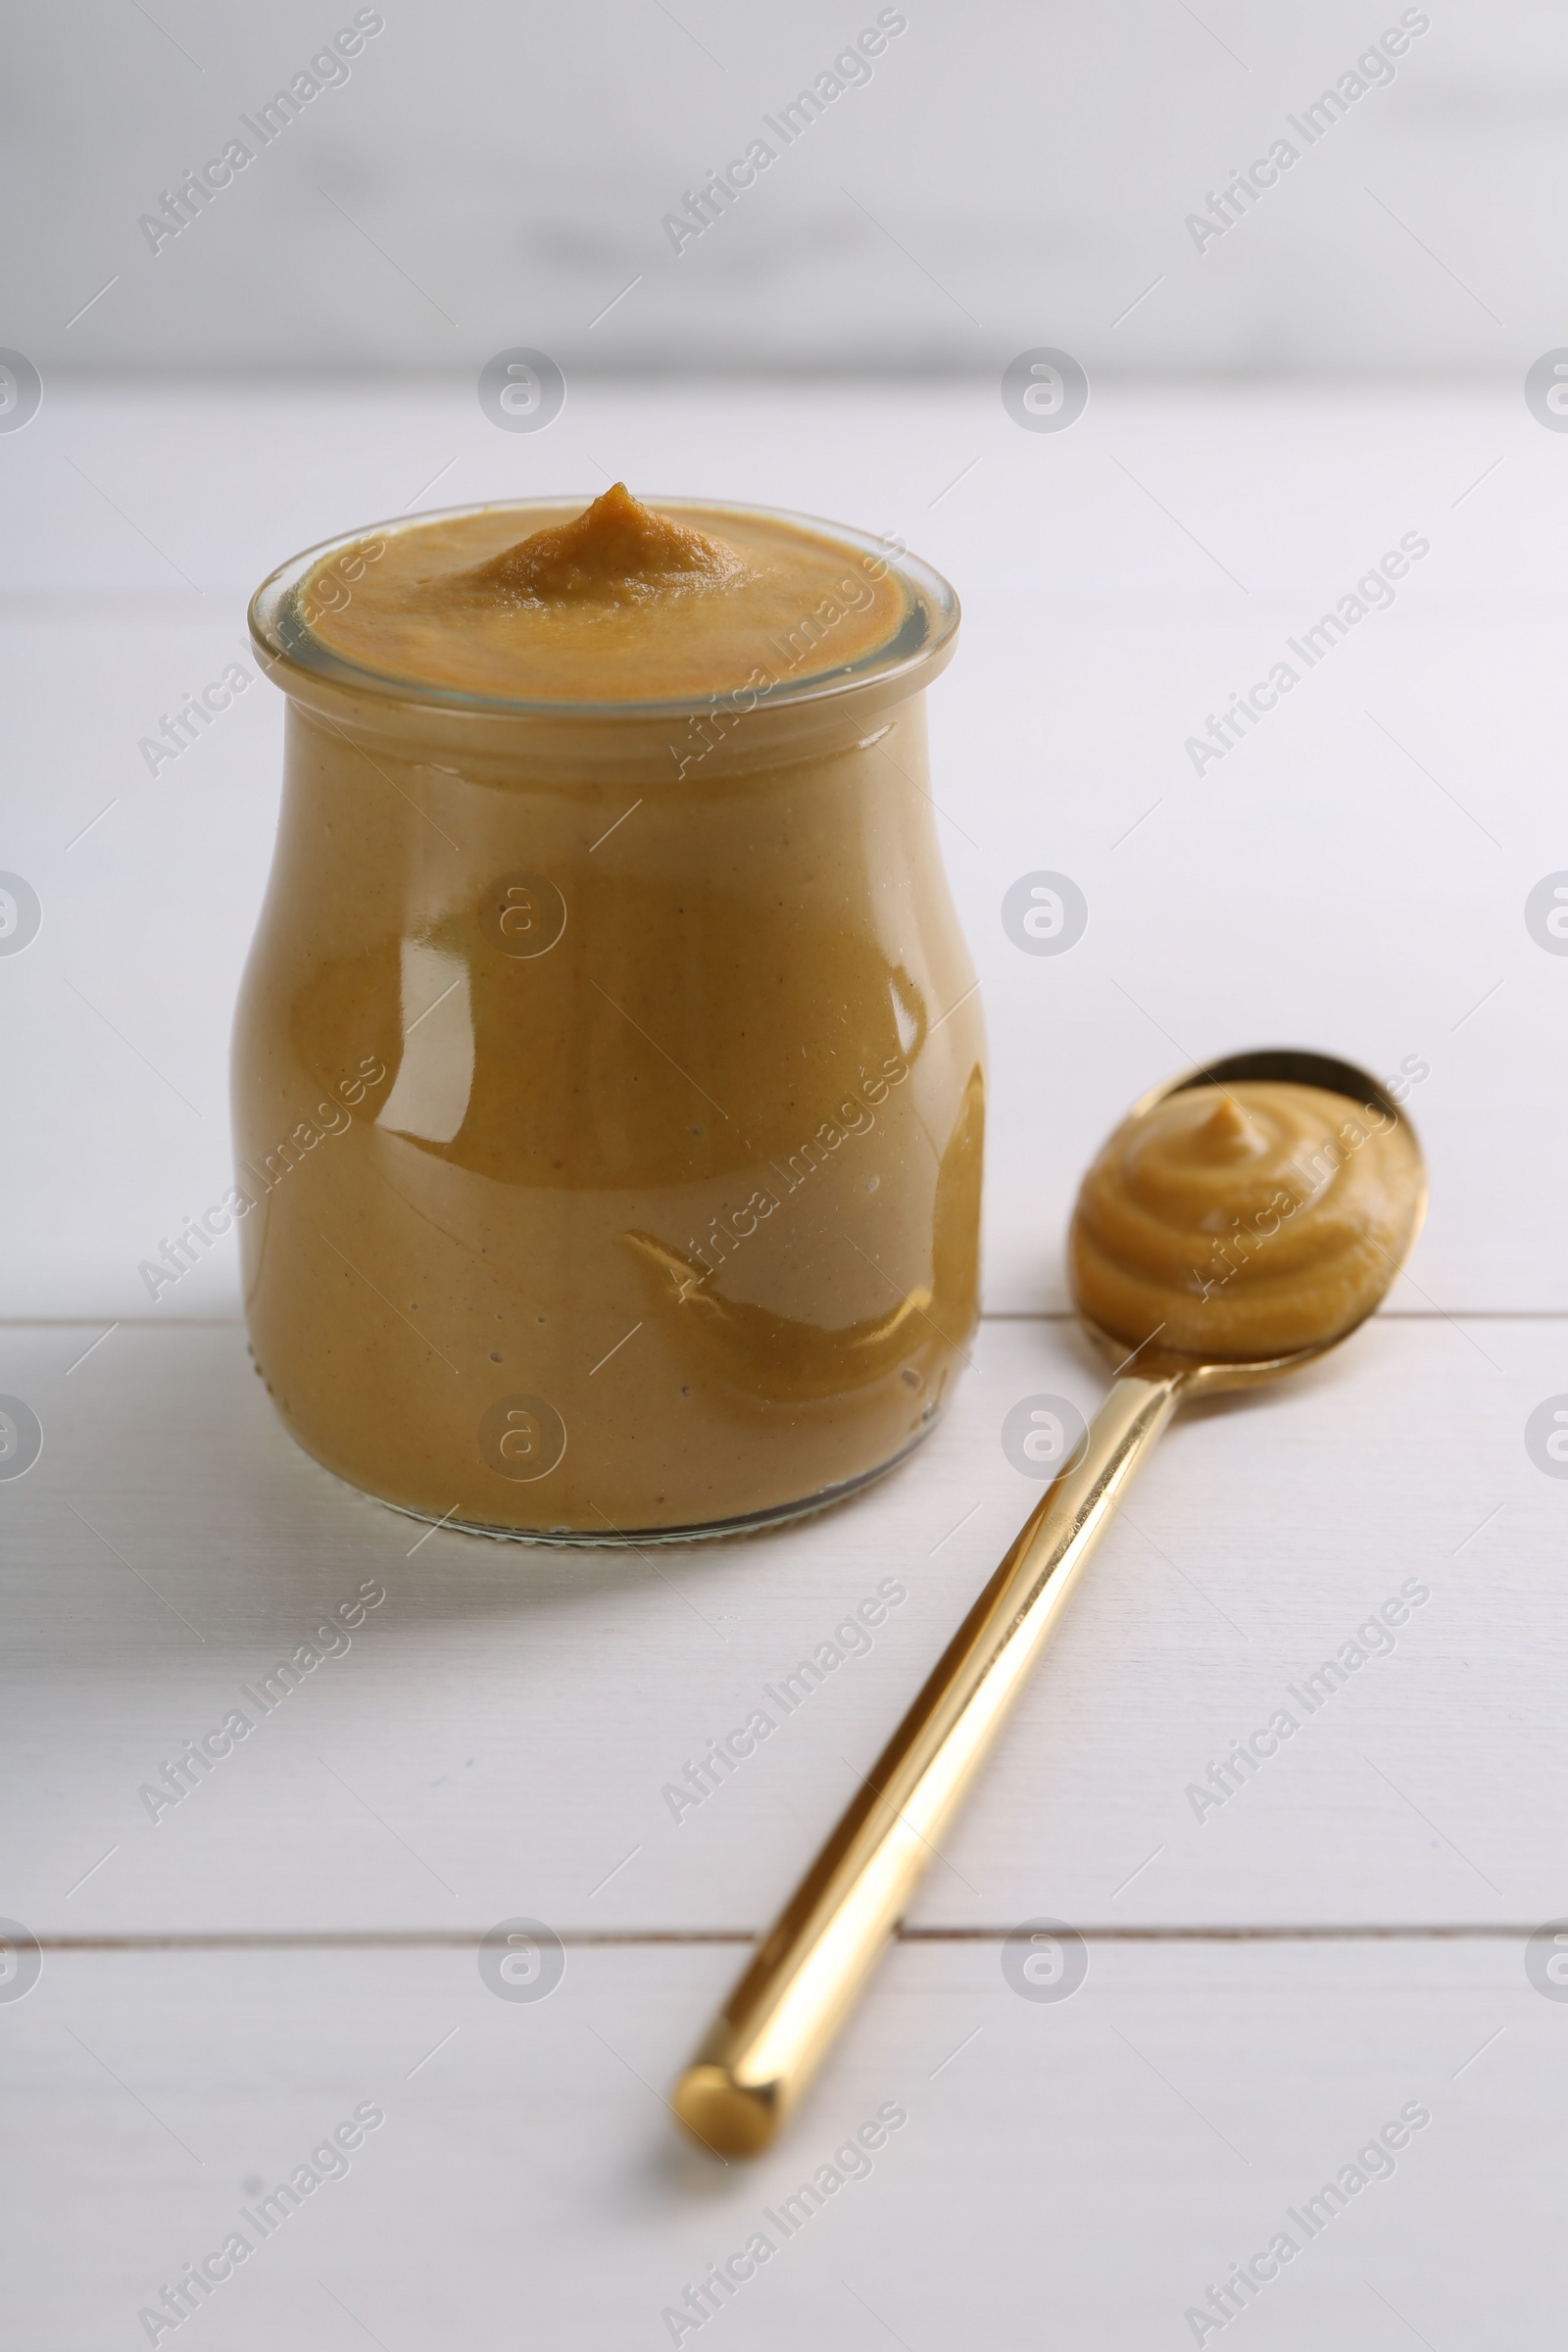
[781,2018]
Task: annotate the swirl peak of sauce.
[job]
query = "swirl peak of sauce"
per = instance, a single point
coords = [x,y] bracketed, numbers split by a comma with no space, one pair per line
[1229,1134]
[1242,1222]
[616,551]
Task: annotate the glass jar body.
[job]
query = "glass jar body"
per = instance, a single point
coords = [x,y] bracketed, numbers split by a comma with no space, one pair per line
[610,1137]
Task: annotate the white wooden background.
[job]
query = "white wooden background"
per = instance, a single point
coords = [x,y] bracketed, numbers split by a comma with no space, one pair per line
[1267,1986]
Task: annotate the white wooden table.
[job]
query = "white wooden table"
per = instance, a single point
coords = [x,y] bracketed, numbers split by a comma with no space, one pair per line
[1272,1979]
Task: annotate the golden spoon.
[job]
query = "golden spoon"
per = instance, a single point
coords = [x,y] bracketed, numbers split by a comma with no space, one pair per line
[779,2022]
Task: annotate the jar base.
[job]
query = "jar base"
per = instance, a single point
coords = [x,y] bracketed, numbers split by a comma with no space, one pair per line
[748,1523]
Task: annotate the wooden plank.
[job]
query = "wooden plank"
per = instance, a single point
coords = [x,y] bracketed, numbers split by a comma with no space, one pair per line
[1080,2171]
[500,1732]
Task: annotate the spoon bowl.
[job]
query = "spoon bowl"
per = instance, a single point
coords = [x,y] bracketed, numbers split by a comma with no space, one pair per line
[1290,1065]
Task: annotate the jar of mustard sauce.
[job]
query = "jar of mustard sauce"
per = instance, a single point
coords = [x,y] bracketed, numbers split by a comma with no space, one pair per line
[608,1070]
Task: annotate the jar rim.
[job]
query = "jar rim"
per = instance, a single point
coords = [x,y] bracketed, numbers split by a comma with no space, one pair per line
[286,646]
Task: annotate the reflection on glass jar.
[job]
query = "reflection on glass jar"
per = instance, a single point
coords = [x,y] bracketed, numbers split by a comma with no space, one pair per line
[611,1116]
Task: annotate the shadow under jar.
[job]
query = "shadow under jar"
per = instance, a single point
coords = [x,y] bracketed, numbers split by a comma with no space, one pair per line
[608,1074]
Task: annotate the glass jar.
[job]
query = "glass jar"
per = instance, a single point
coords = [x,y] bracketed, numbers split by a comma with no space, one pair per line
[608,1084]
